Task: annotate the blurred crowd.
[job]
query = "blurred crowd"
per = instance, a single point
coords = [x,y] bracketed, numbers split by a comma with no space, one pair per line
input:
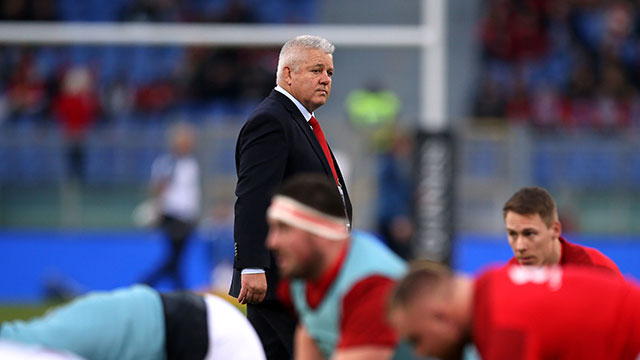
[137,83]
[32,82]
[570,64]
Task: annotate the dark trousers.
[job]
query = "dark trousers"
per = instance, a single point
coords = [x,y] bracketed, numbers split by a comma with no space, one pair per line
[76,160]
[275,326]
[177,233]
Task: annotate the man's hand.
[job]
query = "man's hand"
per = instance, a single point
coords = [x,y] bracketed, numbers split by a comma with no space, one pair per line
[254,288]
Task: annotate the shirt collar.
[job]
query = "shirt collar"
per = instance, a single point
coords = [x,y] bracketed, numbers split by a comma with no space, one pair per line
[563,244]
[307,115]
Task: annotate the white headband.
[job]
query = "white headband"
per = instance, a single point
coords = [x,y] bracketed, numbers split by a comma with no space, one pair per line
[296,214]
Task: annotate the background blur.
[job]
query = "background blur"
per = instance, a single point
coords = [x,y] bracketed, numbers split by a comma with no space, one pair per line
[538,92]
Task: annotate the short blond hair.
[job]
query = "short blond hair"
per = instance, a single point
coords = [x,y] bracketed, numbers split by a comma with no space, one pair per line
[424,277]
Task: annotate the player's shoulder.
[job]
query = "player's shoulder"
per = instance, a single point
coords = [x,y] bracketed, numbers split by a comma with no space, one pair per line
[369,289]
[601,260]
[595,257]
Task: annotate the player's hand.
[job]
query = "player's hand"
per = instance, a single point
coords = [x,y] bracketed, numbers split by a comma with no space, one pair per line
[254,288]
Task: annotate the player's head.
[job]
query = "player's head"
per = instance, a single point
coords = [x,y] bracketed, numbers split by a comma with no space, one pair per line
[306,222]
[427,310]
[533,228]
[305,68]
[182,138]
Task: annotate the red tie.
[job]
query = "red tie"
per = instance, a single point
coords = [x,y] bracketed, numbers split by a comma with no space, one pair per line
[323,142]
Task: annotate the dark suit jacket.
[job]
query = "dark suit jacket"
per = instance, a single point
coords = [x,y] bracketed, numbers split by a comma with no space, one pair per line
[275,144]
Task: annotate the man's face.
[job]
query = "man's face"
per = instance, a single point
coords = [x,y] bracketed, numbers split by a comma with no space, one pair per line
[532,241]
[310,79]
[183,143]
[296,251]
[428,327]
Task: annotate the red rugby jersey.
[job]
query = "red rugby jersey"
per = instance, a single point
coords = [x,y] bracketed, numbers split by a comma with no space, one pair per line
[363,318]
[555,313]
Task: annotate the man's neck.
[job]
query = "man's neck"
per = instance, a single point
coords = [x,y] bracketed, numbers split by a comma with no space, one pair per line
[334,253]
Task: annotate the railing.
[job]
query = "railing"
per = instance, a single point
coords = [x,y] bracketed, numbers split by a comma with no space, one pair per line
[595,178]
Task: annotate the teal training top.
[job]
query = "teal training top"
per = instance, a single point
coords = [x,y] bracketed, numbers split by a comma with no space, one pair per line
[366,257]
[126,324]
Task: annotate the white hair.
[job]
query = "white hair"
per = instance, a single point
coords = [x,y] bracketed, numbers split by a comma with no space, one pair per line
[290,54]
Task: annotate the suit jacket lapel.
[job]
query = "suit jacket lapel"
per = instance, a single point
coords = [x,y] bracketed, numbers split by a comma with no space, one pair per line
[306,129]
[297,117]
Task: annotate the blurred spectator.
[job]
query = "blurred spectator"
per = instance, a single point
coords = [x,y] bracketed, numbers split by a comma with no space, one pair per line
[76,108]
[26,90]
[117,97]
[175,185]
[395,195]
[613,99]
[156,96]
[518,109]
[490,102]
[230,75]
[579,104]
[373,111]
[546,107]
[216,75]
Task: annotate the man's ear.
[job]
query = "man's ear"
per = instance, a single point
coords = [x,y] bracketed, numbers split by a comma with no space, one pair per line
[556,227]
[286,72]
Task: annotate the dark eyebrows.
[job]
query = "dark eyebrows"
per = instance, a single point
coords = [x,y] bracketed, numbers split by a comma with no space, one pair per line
[525,230]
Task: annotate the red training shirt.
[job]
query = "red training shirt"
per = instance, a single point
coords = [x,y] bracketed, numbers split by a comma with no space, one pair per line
[555,313]
[364,307]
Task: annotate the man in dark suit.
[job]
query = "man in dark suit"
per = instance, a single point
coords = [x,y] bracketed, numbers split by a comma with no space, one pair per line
[281,138]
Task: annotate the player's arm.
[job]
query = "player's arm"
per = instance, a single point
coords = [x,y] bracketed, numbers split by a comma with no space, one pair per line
[364,330]
[304,346]
[161,171]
